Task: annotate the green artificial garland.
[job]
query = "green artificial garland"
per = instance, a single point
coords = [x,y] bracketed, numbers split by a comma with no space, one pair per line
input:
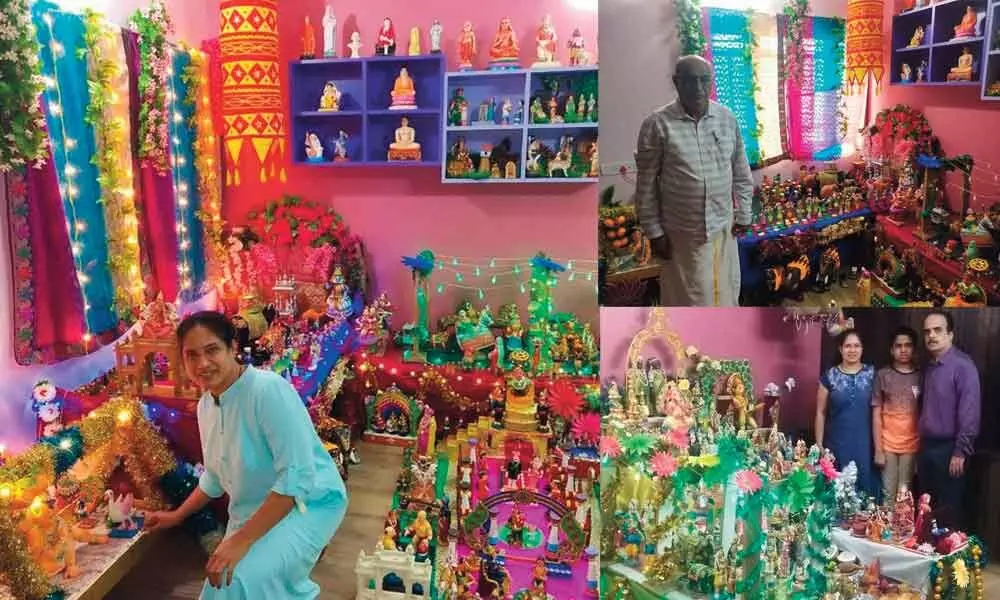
[839,29]
[25,141]
[153,25]
[750,56]
[796,12]
[689,27]
[819,525]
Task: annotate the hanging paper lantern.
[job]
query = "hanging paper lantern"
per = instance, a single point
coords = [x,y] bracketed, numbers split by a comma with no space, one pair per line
[252,114]
[864,43]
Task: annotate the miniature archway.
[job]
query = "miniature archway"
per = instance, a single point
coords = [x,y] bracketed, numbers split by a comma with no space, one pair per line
[657,328]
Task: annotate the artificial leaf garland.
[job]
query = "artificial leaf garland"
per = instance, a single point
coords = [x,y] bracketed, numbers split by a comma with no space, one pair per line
[25,351]
[751,57]
[796,12]
[114,176]
[21,84]
[689,27]
[153,26]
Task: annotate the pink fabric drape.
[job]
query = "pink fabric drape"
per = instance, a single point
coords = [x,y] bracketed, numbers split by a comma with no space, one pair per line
[799,95]
[154,200]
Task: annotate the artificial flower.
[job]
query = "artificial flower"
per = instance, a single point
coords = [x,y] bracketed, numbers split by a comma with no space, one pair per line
[829,471]
[663,464]
[683,384]
[679,439]
[961,573]
[748,481]
[587,428]
[610,446]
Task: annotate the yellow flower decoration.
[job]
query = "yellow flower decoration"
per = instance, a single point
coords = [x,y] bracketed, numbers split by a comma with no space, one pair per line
[703,461]
[961,574]
[683,385]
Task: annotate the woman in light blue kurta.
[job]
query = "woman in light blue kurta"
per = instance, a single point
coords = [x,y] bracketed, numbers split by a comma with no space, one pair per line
[286,497]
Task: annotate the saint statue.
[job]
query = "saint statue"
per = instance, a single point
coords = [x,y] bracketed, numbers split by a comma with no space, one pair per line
[355,45]
[329,32]
[466,47]
[435,32]
[505,52]
[385,43]
[545,40]
[404,92]
[308,41]
[405,146]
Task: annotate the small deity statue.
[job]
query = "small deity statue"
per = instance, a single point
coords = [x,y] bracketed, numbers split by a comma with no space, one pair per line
[922,525]
[519,113]
[720,572]
[308,40]
[902,514]
[355,45]
[505,111]
[543,413]
[405,146]
[738,391]
[464,501]
[539,574]
[338,302]
[436,31]
[516,526]
[918,36]
[963,72]
[968,26]
[314,149]
[404,92]
[483,486]
[330,101]
[578,55]
[385,41]
[800,451]
[329,32]
[921,71]
[505,52]
[340,147]
[545,40]
[514,471]
[388,541]
[906,74]
[614,399]
[466,47]
[421,531]
[537,112]
[414,49]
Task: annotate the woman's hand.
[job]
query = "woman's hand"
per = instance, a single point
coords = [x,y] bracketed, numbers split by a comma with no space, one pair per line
[223,561]
[166,519]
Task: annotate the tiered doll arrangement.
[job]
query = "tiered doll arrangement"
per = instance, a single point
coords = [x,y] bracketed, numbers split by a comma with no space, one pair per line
[702,492]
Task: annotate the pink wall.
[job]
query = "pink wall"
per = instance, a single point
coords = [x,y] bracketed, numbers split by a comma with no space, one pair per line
[399,212]
[776,350]
[964,123]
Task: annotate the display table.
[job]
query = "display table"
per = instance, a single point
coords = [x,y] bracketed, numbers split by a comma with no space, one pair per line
[101,567]
[636,285]
[907,566]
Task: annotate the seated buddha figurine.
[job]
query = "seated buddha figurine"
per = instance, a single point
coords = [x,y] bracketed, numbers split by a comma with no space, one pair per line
[404,94]
[504,54]
[963,72]
[967,28]
[405,147]
[330,101]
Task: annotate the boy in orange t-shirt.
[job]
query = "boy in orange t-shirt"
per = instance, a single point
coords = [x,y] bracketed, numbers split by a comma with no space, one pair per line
[895,415]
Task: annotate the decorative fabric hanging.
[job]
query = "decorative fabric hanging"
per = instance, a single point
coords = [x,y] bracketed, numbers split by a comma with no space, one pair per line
[864,44]
[252,112]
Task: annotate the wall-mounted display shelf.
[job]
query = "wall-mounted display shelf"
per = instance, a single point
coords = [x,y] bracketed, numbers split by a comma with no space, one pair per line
[365,118]
[940,57]
[521,126]
[991,70]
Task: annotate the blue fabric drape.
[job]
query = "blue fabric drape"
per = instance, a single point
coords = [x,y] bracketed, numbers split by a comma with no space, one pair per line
[828,78]
[183,137]
[729,40]
[81,198]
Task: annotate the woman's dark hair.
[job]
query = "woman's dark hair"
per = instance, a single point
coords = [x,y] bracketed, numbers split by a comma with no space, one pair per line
[841,339]
[214,321]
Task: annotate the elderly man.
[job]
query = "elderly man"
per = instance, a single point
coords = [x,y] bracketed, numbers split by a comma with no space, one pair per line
[694,191]
[949,419]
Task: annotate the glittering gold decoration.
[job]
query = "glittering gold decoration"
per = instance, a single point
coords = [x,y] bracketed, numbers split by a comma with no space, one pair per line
[22,575]
[33,469]
[432,380]
[609,494]
[662,568]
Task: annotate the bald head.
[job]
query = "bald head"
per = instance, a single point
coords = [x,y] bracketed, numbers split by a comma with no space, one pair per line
[693,80]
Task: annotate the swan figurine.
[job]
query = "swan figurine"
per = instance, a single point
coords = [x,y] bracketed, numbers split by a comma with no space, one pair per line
[120,510]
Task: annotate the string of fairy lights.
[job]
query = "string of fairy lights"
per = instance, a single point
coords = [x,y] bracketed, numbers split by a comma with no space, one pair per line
[482,274]
[67,184]
[177,161]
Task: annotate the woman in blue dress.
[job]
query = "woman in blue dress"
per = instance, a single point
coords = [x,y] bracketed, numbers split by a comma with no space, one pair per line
[286,497]
[844,413]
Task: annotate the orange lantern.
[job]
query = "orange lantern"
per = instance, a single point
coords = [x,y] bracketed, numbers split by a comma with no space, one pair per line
[864,43]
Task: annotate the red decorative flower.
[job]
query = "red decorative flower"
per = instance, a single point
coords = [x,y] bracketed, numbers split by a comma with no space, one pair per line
[610,446]
[663,464]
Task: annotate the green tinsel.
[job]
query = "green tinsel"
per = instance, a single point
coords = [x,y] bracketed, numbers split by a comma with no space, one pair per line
[796,12]
[796,491]
[689,27]
[749,51]
[732,454]
[819,524]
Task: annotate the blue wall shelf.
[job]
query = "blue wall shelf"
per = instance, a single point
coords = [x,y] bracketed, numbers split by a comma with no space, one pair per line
[510,139]
[938,51]
[991,70]
[365,84]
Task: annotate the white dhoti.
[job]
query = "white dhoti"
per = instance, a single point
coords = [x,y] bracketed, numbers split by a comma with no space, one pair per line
[701,273]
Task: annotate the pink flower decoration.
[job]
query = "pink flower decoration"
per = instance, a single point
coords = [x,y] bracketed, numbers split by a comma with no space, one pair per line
[748,481]
[663,464]
[610,446]
[679,438]
[829,471]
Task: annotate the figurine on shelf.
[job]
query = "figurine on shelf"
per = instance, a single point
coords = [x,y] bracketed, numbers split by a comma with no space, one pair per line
[414,49]
[505,53]
[329,32]
[505,111]
[578,55]
[921,71]
[458,109]
[466,47]
[922,522]
[314,149]
[968,27]
[330,100]
[519,113]
[388,541]
[436,31]
[404,93]
[906,76]
[918,37]
[355,45]
[963,72]
[340,147]
[308,41]
[405,146]
[385,42]
[545,40]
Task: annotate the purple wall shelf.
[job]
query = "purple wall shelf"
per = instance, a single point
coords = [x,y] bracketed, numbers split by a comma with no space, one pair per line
[365,84]
[938,50]
[991,71]
[520,85]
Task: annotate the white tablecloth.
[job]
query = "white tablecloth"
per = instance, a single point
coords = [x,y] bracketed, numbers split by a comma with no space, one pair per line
[907,566]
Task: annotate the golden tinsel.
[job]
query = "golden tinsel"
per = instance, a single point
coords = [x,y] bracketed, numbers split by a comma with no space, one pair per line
[662,568]
[23,576]
[609,492]
[30,464]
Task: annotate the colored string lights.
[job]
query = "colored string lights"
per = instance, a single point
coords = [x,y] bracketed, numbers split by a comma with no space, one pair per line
[178,159]
[482,274]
